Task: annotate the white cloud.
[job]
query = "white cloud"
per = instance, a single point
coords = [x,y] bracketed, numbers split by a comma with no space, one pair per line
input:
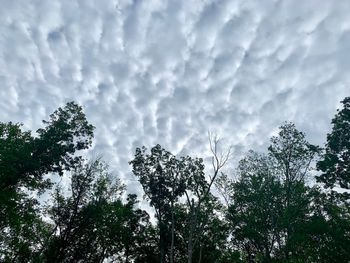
[166,72]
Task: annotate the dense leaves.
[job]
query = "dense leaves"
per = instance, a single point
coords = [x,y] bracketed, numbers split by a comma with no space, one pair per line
[335,163]
[93,223]
[266,210]
[24,161]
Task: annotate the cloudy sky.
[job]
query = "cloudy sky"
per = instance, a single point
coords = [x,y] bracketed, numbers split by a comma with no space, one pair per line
[167,72]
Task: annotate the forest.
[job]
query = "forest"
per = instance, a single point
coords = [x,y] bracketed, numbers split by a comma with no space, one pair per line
[290,203]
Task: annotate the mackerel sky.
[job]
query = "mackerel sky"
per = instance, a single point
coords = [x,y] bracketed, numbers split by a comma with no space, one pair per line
[168,72]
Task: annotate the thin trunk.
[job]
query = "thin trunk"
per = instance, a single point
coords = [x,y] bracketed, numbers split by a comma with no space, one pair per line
[161,252]
[172,234]
[200,254]
[162,243]
[190,249]
[190,237]
[218,163]
[287,219]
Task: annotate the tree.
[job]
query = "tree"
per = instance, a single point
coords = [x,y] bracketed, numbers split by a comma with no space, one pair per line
[256,208]
[324,236]
[165,179]
[66,132]
[198,190]
[211,238]
[76,235]
[292,155]
[138,237]
[335,163]
[25,159]
[335,175]
[161,176]
[270,200]
[92,223]
[19,221]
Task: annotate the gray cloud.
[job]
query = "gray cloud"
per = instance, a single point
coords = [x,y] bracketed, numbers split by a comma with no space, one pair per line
[166,72]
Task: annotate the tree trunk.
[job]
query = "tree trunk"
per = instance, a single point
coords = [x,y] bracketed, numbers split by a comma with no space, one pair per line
[162,252]
[162,243]
[200,254]
[190,249]
[190,237]
[172,234]
[288,193]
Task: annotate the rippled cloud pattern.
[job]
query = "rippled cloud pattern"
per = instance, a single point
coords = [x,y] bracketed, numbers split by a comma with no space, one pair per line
[168,72]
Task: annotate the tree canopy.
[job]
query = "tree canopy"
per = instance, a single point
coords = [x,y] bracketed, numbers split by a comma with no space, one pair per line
[265,210]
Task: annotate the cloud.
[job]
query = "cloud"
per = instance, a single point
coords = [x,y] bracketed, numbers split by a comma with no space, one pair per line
[168,72]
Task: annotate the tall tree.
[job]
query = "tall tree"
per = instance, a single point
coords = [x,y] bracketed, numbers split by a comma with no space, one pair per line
[198,190]
[270,200]
[165,179]
[293,156]
[256,208]
[26,158]
[160,174]
[335,175]
[335,163]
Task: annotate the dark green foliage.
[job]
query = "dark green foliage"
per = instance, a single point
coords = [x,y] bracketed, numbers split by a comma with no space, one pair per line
[269,211]
[163,183]
[165,179]
[274,215]
[212,231]
[66,132]
[325,235]
[160,176]
[256,210]
[292,154]
[335,163]
[335,175]
[24,160]
[93,223]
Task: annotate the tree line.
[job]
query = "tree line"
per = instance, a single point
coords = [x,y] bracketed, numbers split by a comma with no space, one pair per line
[288,204]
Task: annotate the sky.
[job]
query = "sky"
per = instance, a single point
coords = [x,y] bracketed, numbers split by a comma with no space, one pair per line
[169,72]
